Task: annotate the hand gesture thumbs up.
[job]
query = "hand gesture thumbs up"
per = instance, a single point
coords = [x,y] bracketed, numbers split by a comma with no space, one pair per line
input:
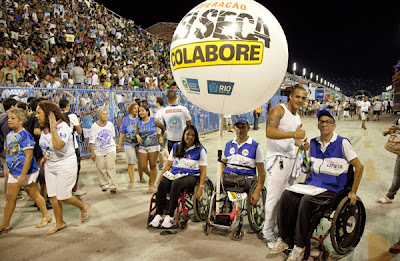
[299,133]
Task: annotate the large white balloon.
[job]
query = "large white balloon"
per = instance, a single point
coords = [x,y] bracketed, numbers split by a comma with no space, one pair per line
[229,57]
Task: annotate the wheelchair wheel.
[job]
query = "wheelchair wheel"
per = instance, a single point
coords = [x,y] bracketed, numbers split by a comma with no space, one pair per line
[201,206]
[256,213]
[347,226]
[237,234]
[182,224]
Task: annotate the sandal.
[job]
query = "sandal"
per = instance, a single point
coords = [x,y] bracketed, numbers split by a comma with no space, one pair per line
[130,185]
[4,230]
[55,229]
[44,222]
[384,200]
[85,213]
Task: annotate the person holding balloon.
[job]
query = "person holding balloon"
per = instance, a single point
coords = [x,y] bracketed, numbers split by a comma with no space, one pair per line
[284,133]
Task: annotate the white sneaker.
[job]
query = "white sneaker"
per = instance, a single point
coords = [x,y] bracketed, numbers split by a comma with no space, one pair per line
[156,222]
[168,222]
[79,192]
[279,246]
[297,254]
[271,243]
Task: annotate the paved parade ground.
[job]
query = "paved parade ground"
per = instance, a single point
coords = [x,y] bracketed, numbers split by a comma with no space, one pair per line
[117,228]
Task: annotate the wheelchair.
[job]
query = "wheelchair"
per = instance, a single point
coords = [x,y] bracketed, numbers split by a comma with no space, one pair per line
[186,202]
[347,222]
[234,206]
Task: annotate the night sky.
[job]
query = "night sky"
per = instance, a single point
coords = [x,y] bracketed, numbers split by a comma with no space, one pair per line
[352,44]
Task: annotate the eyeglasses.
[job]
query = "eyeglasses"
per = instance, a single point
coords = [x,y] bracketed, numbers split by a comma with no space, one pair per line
[327,122]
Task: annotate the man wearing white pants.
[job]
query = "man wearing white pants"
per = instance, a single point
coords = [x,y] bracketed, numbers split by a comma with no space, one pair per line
[284,133]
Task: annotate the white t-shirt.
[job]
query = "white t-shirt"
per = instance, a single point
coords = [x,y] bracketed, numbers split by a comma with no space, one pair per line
[364,106]
[377,106]
[175,117]
[74,121]
[46,144]
[103,138]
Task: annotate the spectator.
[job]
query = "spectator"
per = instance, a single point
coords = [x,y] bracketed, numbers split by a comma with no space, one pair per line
[9,69]
[77,74]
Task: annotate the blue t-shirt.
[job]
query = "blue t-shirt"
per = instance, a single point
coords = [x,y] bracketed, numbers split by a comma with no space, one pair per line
[14,146]
[148,132]
[128,127]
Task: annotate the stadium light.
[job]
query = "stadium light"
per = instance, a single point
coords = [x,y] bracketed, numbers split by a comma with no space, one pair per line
[311,75]
[294,68]
[316,78]
[304,72]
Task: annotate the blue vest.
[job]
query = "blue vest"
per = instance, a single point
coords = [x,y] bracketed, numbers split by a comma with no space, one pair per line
[148,132]
[189,164]
[245,155]
[329,168]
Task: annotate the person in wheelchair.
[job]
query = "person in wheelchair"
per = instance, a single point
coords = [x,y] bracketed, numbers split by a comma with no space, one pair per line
[330,156]
[187,163]
[246,152]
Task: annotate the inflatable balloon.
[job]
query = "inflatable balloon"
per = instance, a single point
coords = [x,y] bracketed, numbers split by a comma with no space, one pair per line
[229,57]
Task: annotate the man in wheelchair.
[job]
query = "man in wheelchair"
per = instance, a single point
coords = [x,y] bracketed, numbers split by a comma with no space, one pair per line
[330,156]
[243,156]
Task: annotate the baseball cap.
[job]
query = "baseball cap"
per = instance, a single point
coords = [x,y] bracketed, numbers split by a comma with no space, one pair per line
[325,113]
[241,120]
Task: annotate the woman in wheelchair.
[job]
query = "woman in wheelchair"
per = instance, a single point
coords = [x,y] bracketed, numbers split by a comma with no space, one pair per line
[187,164]
[331,156]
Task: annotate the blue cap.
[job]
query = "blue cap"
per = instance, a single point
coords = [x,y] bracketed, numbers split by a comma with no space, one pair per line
[241,120]
[325,113]
[398,65]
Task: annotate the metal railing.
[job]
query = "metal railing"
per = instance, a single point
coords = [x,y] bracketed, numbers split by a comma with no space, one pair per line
[85,100]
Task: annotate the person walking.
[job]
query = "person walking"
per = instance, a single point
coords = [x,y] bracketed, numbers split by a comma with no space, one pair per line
[127,137]
[103,150]
[73,120]
[21,169]
[364,110]
[149,141]
[394,188]
[59,162]
[284,133]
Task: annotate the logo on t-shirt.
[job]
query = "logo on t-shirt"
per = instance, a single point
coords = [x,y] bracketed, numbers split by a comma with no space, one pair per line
[104,137]
[232,151]
[245,152]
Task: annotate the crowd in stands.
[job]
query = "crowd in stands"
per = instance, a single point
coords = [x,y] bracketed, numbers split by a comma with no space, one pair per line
[78,43]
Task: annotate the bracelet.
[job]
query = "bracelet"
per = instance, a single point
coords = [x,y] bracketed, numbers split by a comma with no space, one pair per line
[201,186]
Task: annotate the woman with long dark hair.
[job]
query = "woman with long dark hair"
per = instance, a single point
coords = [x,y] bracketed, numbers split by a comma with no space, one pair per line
[59,162]
[149,143]
[187,163]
